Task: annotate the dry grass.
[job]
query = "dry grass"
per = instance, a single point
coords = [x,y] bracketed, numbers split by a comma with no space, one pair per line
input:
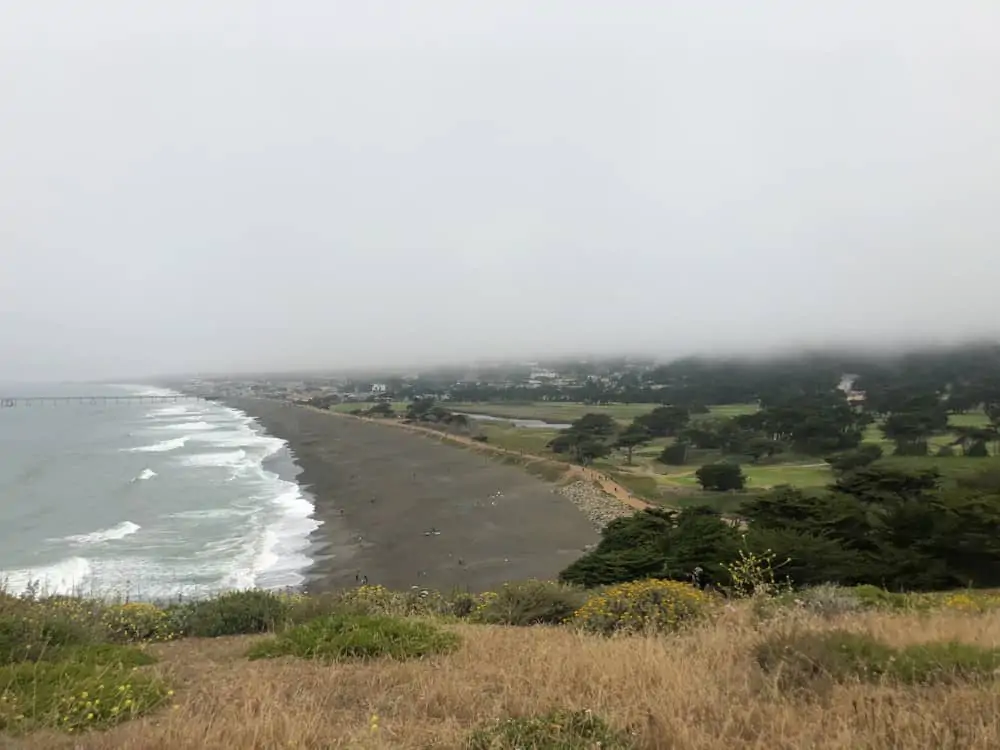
[698,690]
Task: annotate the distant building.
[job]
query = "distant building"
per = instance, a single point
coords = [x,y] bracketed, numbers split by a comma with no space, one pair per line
[379,388]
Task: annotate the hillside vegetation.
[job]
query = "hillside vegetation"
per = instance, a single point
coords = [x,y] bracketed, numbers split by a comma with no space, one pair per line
[650,664]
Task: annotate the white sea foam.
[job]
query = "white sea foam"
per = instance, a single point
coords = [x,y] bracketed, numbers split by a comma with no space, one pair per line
[161,447]
[211,514]
[236,458]
[185,426]
[118,531]
[64,577]
[144,475]
[170,411]
[246,439]
[282,556]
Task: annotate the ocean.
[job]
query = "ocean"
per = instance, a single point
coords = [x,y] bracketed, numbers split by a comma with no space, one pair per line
[146,501]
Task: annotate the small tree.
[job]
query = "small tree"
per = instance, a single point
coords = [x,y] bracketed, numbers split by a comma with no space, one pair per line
[862,456]
[721,476]
[381,409]
[588,449]
[419,409]
[910,448]
[978,450]
[583,447]
[675,455]
[595,425]
[631,438]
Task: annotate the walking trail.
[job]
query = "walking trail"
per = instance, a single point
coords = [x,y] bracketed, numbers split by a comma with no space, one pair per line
[606,483]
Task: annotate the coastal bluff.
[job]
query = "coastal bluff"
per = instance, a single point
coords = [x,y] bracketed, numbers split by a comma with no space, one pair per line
[401,510]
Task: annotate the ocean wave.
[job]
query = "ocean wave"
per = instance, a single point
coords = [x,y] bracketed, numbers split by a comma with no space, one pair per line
[161,447]
[144,475]
[246,439]
[171,411]
[236,458]
[64,577]
[118,531]
[282,559]
[185,426]
[209,514]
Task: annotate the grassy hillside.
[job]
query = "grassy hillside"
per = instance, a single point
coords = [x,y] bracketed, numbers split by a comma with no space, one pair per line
[825,668]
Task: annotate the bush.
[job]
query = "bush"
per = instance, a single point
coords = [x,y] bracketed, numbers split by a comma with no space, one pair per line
[721,477]
[674,454]
[137,622]
[910,448]
[29,636]
[826,600]
[809,659]
[860,457]
[945,451]
[97,689]
[873,597]
[978,450]
[970,601]
[233,613]
[556,730]
[805,660]
[369,600]
[530,603]
[650,605]
[345,637]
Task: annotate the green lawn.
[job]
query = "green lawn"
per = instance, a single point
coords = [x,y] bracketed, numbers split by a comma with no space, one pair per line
[873,433]
[953,467]
[728,411]
[970,419]
[561,412]
[528,440]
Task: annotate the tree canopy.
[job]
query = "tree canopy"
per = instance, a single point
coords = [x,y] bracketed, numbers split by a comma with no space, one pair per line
[874,525]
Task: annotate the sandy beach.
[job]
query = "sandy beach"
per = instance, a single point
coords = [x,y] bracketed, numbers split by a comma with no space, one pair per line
[403,510]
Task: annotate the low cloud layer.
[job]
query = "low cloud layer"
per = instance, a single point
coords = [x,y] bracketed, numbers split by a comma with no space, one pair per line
[246,185]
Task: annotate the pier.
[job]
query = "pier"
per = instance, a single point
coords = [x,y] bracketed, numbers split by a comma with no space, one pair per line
[12,401]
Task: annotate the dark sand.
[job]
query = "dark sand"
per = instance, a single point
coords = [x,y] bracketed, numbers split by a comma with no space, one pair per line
[378,489]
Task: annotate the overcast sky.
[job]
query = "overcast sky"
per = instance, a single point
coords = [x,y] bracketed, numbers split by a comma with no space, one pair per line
[236,184]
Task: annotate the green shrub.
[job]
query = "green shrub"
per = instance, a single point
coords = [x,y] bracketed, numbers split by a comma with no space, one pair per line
[530,603]
[642,606]
[345,637]
[28,636]
[233,613]
[873,597]
[370,600]
[826,600]
[860,457]
[137,622]
[556,730]
[978,450]
[99,687]
[807,659]
[463,604]
[804,660]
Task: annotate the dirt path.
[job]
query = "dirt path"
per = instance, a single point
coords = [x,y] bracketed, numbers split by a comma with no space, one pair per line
[606,483]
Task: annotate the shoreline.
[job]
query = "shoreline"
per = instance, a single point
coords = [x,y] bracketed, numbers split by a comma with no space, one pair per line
[399,510]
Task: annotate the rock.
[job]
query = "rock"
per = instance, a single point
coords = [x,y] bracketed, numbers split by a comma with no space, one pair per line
[600,507]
